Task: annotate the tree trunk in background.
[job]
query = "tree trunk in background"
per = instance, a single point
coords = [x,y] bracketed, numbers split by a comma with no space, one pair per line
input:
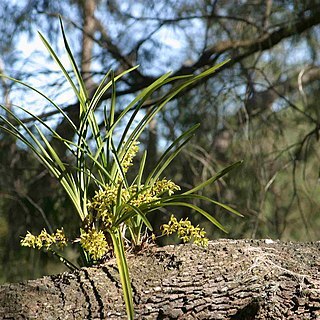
[152,144]
[231,279]
[89,7]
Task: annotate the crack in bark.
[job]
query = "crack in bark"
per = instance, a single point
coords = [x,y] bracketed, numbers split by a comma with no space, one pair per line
[105,269]
[249,312]
[171,261]
[57,281]
[85,294]
[96,295]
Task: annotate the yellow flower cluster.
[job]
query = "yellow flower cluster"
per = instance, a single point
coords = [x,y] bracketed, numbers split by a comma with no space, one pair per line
[45,240]
[162,186]
[126,162]
[94,242]
[185,231]
[101,205]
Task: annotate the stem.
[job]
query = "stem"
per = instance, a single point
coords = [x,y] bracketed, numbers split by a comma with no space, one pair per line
[68,263]
[123,271]
[85,257]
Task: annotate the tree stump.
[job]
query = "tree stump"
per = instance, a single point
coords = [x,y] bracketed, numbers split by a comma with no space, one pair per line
[229,279]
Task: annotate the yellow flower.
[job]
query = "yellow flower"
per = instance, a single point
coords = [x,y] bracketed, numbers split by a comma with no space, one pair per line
[164,185]
[29,240]
[44,239]
[60,237]
[102,203]
[127,161]
[185,231]
[94,242]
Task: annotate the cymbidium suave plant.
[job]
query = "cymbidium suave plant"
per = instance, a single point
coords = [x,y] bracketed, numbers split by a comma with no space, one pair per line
[114,218]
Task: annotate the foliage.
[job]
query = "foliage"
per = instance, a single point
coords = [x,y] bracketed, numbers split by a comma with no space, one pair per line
[261,107]
[119,207]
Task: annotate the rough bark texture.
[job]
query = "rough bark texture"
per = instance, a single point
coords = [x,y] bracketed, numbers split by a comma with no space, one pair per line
[230,279]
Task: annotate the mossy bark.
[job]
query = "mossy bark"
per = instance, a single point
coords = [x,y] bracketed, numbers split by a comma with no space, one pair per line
[230,279]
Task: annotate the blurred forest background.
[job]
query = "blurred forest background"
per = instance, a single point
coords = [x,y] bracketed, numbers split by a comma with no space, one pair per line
[262,107]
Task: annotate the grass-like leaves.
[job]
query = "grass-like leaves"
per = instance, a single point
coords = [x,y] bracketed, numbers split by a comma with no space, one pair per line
[101,161]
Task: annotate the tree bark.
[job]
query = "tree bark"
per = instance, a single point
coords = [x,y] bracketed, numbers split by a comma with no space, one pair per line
[230,279]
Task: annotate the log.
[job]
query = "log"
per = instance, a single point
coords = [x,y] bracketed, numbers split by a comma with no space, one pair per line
[229,279]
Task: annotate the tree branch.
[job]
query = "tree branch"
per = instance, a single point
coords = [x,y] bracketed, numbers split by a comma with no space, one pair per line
[231,279]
